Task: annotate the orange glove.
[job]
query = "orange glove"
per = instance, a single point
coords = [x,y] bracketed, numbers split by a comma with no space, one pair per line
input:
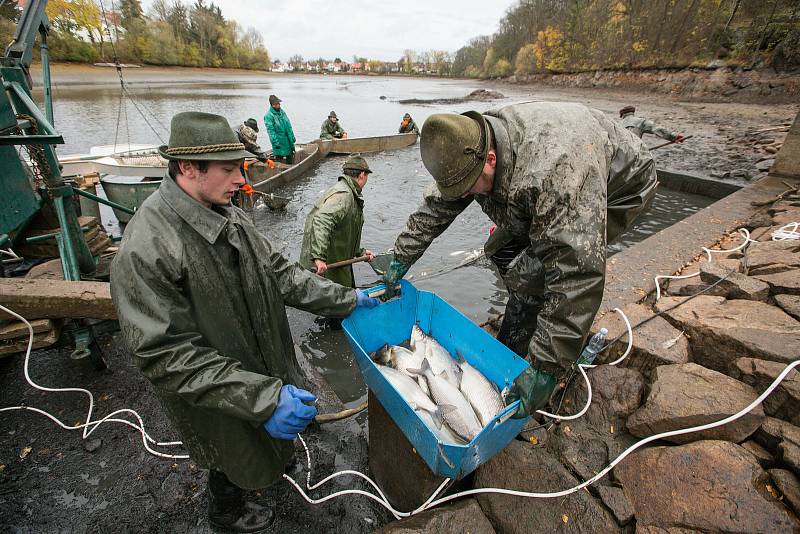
[247,190]
[246,165]
[270,164]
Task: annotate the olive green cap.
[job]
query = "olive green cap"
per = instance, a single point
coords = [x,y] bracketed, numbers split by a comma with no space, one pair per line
[274,100]
[251,123]
[194,135]
[356,163]
[332,114]
[454,149]
[626,110]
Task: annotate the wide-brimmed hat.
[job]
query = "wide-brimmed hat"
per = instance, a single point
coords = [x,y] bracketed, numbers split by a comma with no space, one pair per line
[332,115]
[356,163]
[194,135]
[251,123]
[626,110]
[454,149]
[274,100]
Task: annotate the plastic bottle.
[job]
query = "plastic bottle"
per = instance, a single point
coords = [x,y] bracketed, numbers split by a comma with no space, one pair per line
[592,348]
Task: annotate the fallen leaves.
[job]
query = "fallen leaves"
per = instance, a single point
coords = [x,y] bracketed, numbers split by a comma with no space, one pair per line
[25,452]
[564,518]
[533,440]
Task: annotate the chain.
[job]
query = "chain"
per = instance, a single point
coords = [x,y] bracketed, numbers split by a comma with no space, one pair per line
[38,161]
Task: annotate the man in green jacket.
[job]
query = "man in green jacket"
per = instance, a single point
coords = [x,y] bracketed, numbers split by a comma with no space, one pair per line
[332,231]
[331,128]
[641,126]
[201,295]
[559,180]
[408,125]
[280,131]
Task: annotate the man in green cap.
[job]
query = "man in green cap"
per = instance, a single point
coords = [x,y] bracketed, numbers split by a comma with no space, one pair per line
[200,296]
[408,125]
[560,180]
[280,131]
[332,231]
[641,126]
[331,129]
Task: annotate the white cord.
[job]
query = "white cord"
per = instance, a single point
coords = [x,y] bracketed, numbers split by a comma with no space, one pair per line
[10,253]
[784,234]
[89,426]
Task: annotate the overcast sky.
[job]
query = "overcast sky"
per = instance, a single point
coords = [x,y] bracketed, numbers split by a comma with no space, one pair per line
[369,28]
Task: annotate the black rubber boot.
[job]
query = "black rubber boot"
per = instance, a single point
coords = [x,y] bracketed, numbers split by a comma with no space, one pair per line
[227,508]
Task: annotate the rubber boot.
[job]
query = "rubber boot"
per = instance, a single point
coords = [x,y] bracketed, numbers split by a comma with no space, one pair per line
[227,508]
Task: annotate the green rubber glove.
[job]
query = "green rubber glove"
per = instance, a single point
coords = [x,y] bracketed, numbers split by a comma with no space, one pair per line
[394,273]
[533,389]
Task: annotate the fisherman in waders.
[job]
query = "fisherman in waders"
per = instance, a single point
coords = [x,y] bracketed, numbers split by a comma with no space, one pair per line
[640,126]
[332,231]
[560,181]
[331,129]
[280,131]
[408,125]
[201,295]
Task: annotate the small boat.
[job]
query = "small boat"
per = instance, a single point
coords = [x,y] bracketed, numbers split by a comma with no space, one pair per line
[364,145]
[128,192]
[265,178]
[139,160]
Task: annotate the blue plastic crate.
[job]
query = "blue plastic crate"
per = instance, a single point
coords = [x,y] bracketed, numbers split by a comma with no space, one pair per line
[391,322]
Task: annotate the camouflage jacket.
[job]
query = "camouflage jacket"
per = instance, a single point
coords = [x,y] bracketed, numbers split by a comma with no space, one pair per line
[567,178]
[201,295]
[333,230]
[641,126]
[329,130]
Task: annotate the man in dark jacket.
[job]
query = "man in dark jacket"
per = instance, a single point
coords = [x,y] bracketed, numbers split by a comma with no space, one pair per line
[407,125]
[201,295]
[560,180]
[331,129]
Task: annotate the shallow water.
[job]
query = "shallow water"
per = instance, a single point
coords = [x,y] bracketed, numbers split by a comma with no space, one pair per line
[87,111]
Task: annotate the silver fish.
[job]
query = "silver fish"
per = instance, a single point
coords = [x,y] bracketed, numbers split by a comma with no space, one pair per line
[437,356]
[412,393]
[402,359]
[444,434]
[457,411]
[480,392]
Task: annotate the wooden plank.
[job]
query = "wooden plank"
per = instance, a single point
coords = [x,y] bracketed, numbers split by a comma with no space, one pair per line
[787,162]
[56,299]
[40,341]
[18,329]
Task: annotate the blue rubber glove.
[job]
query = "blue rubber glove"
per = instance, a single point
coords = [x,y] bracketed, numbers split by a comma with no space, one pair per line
[291,416]
[364,300]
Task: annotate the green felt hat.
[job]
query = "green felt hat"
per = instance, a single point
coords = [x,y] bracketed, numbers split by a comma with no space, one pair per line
[194,135]
[454,149]
[332,115]
[356,163]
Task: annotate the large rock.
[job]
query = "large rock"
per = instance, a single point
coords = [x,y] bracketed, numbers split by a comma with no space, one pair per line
[783,440]
[721,331]
[655,343]
[463,516]
[772,257]
[689,395]
[784,402]
[710,486]
[735,285]
[784,282]
[790,304]
[762,455]
[524,467]
[788,486]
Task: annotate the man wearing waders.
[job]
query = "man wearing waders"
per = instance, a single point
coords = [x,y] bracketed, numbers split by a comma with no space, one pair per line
[201,296]
[641,126]
[560,181]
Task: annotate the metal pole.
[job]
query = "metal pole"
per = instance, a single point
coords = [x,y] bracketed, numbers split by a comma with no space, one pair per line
[102,200]
[48,94]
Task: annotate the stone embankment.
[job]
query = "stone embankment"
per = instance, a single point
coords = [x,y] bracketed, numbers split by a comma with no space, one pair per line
[700,360]
[716,83]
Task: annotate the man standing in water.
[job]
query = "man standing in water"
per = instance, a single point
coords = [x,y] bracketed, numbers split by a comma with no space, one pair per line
[640,126]
[280,131]
[331,129]
[332,231]
[560,181]
[201,295]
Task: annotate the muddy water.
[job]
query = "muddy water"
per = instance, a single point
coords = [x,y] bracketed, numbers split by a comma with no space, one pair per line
[88,113]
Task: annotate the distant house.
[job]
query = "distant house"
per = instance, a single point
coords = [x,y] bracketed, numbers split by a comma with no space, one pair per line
[277,66]
[418,68]
[392,67]
[358,67]
[312,67]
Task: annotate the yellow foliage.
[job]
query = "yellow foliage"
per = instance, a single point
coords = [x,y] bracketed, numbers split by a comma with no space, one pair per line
[639,46]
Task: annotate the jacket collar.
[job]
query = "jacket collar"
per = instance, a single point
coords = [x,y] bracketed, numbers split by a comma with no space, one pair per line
[353,186]
[204,221]
[505,156]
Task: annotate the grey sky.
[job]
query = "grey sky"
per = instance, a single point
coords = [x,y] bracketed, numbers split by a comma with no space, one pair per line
[374,29]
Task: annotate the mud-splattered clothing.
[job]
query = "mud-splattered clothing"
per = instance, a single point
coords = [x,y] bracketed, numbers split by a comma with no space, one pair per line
[567,179]
[640,126]
[330,130]
[201,297]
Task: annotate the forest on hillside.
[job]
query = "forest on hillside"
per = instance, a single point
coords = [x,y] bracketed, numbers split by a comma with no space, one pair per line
[171,33]
[551,36]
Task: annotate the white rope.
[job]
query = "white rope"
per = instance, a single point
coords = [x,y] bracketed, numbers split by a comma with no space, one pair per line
[784,234]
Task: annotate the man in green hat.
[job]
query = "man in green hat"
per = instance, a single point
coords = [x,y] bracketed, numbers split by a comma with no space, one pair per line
[280,131]
[332,230]
[200,296]
[560,180]
[331,128]
[407,125]
[641,126]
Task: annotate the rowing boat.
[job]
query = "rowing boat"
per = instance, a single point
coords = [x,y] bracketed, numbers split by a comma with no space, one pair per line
[137,161]
[266,178]
[364,145]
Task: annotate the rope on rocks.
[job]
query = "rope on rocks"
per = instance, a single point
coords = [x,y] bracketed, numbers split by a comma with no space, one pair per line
[785,234]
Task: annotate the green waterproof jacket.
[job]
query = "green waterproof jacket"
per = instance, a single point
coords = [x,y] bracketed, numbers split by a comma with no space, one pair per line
[333,230]
[329,130]
[567,180]
[641,126]
[281,134]
[200,296]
